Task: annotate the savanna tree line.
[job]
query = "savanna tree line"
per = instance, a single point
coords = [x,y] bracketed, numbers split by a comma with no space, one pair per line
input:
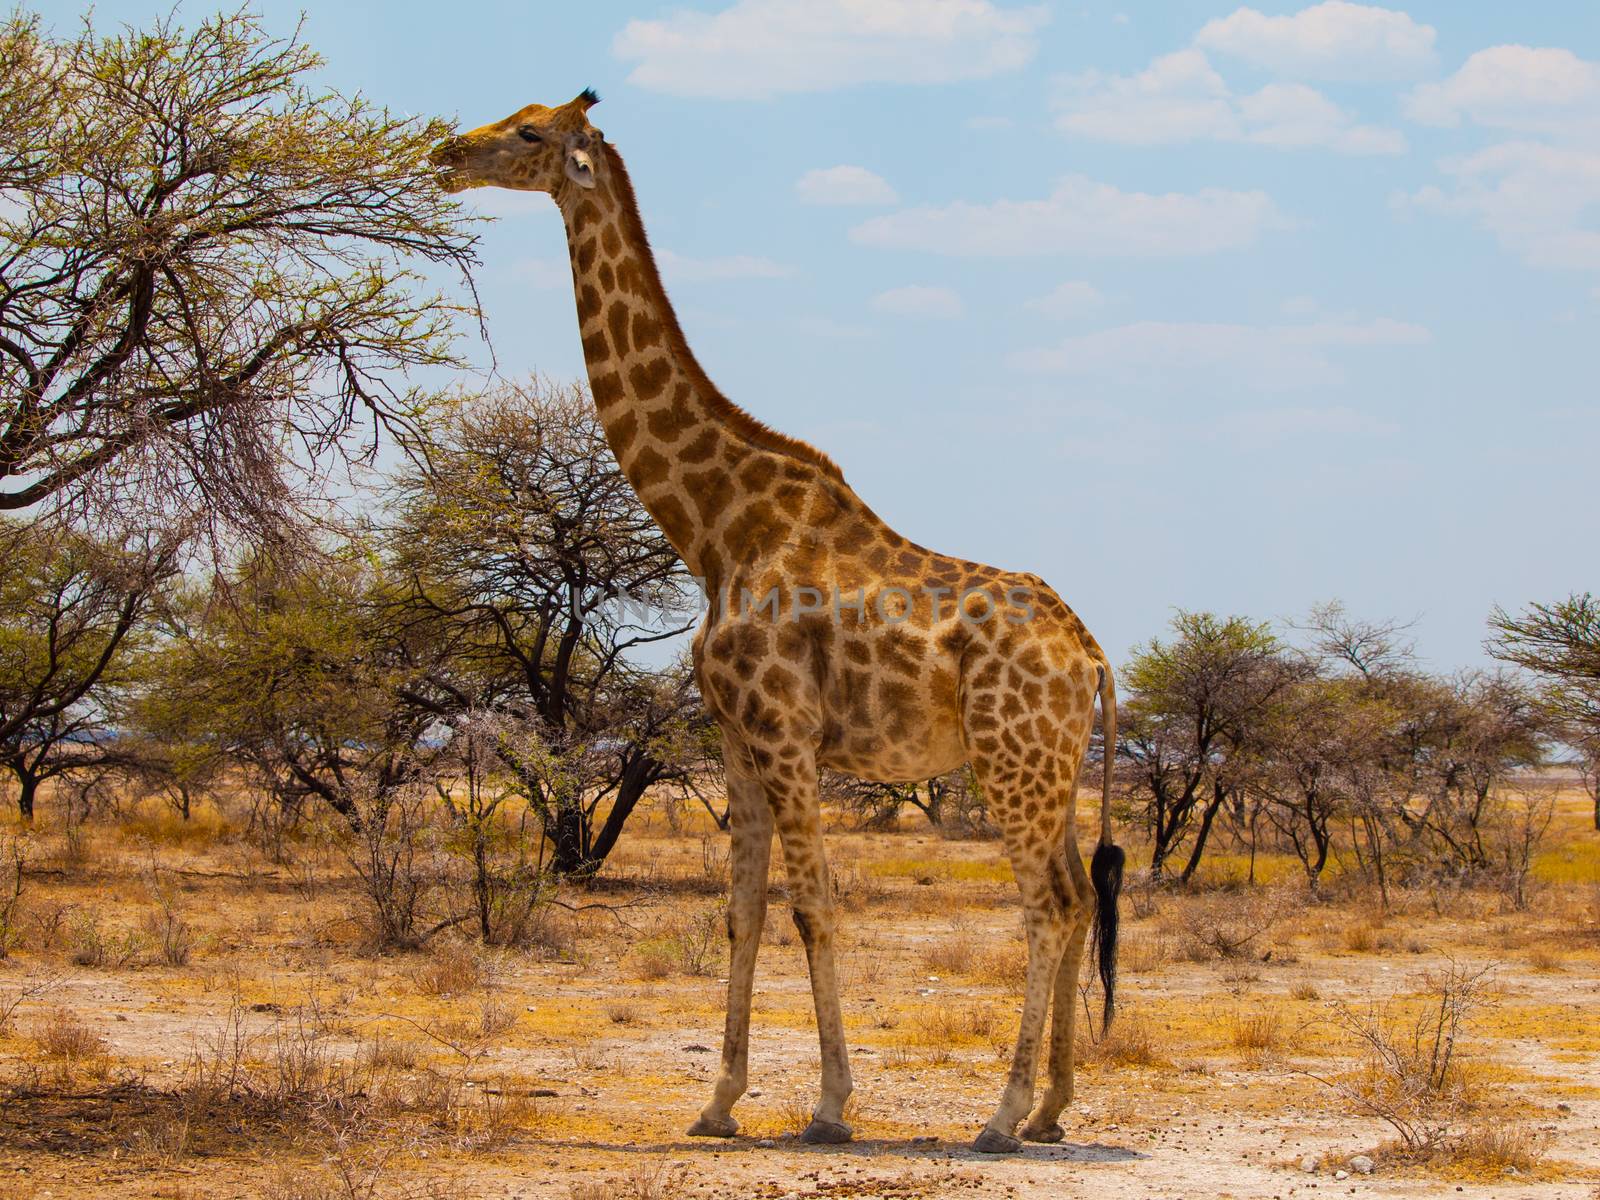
[465,643]
[214,306]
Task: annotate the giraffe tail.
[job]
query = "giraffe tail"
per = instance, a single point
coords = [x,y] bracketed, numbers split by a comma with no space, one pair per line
[1105,870]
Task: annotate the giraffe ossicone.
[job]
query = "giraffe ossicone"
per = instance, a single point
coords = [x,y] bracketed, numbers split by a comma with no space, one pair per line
[798,686]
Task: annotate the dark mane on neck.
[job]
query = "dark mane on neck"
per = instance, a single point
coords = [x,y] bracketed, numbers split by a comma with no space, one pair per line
[756,432]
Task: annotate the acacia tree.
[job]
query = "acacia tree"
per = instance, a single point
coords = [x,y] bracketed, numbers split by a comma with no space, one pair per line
[1481,729]
[204,279]
[70,609]
[305,675]
[1192,722]
[523,534]
[952,802]
[1560,643]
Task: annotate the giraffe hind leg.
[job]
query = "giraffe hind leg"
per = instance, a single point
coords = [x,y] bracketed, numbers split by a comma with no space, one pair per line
[1048,918]
[1043,1124]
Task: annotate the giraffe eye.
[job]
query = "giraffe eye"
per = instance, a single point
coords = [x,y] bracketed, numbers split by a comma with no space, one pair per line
[529,134]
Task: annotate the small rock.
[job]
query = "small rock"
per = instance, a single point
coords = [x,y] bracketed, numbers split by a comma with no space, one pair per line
[1563,1108]
[1362,1165]
[1341,1174]
[754,1092]
[543,1093]
[766,1143]
[1310,1163]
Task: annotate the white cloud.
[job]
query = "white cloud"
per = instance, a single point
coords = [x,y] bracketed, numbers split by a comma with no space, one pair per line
[1333,40]
[1539,200]
[1545,90]
[918,300]
[1264,356]
[844,185]
[1180,97]
[682,269]
[1081,217]
[757,49]
[1074,298]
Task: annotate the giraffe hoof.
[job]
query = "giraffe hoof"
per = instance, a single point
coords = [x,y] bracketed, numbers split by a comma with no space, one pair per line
[826,1133]
[719,1127]
[992,1141]
[1050,1133]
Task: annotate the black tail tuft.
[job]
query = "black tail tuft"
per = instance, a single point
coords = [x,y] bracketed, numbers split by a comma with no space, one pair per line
[1106,873]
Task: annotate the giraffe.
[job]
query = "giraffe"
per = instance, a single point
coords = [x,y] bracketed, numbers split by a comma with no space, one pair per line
[829,641]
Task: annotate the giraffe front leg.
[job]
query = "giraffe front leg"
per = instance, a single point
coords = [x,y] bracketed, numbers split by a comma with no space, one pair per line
[812,897]
[750,821]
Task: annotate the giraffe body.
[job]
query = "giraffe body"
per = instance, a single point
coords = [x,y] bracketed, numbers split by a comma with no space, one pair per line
[829,640]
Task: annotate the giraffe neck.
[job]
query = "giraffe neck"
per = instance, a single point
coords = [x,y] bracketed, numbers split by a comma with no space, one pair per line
[679,441]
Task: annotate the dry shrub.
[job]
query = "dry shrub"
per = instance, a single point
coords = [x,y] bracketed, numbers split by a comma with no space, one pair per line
[63,1035]
[162,826]
[853,888]
[89,944]
[696,946]
[714,866]
[652,961]
[1359,938]
[1146,951]
[656,1180]
[1305,990]
[1257,1034]
[352,1170]
[1132,1042]
[950,956]
[13,998]
[14,851]
[1494,1147]
[453,969]
[1411,1074]
[171,935]
[1142,898]
[621,1012]
[1004,966]
[949,1026]
[1223,925]
[1240,975]
[1546,960]
[384,1052]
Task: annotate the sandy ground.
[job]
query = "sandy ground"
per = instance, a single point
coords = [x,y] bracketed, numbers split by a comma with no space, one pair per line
[609,1043]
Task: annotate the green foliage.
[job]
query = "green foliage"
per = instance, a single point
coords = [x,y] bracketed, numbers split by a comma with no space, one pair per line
[206,282]
[71,610]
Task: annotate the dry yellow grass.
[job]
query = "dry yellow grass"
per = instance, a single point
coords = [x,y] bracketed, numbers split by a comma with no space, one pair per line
[454,1051]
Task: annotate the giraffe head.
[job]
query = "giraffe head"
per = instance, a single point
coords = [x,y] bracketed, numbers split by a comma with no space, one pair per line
[535,149]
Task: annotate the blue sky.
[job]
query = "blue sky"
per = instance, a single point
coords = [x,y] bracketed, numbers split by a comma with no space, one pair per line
[1176,304]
